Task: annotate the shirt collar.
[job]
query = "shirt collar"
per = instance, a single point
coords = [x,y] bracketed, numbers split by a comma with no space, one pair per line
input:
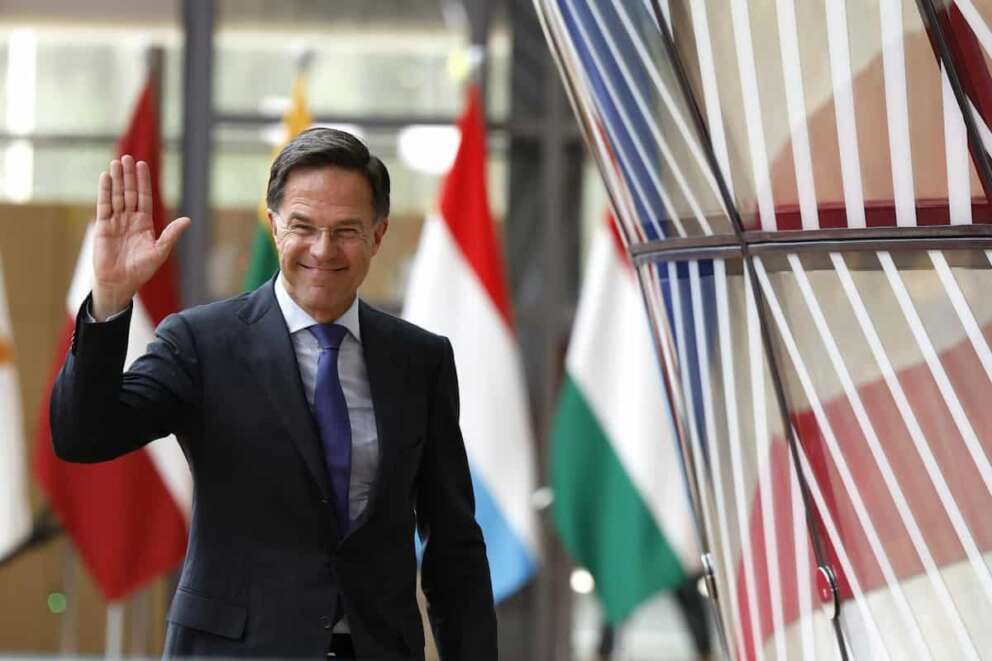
[298,319]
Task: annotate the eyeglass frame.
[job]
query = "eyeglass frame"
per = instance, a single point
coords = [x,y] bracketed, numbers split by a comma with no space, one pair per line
[333,232]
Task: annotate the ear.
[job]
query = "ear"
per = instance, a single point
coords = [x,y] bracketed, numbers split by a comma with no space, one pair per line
[379,231]
[272,223]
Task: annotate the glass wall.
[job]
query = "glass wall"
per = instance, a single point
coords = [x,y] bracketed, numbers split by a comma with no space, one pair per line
[803,187]
[388,84]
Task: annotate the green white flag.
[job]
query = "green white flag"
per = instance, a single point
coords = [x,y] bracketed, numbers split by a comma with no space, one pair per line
[620,503]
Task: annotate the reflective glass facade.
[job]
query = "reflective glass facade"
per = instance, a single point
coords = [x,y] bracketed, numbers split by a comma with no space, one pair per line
[803,188]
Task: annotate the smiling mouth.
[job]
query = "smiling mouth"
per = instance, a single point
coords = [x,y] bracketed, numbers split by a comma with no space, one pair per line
[324,269]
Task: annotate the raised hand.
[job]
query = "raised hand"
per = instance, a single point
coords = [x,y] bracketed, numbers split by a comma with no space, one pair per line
[125,251]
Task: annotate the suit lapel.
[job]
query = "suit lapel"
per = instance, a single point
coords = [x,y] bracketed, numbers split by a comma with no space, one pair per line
[271,357]
[385,367]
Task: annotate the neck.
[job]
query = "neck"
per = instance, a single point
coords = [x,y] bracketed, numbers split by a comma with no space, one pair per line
[321,314]
[326,315]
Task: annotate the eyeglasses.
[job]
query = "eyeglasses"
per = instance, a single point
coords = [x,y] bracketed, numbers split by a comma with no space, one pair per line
[307,233]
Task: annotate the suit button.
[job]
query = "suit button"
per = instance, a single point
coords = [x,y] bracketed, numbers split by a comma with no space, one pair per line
[324,501]
[325,621]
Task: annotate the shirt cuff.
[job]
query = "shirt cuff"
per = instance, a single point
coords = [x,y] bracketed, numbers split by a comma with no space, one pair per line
[90,319]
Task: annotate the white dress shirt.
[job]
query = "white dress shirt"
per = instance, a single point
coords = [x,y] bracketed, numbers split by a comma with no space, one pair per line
[354,379]
[354,382]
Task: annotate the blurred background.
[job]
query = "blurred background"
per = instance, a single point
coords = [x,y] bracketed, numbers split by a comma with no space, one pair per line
[392,71]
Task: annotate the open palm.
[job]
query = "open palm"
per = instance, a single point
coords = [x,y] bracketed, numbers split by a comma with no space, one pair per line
[126,252]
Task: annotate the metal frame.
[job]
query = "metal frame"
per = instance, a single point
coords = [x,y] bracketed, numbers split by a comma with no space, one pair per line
[979,157]
[514,126]
[198,23]
[823,241]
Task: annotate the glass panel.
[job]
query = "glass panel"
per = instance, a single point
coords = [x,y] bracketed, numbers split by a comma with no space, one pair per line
[638,120]
[100,70]
[739,459]
[966,26]
[820,115]
[801,88]
[888,373]
[355,71]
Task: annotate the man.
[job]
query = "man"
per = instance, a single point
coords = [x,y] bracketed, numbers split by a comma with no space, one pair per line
[319,430]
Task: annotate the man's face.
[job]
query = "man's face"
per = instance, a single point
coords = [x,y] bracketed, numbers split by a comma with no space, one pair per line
[325,235]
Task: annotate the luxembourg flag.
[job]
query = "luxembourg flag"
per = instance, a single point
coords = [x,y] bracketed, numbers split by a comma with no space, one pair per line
[457,288]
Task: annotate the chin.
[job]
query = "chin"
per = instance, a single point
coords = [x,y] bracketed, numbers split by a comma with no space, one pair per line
[324,301]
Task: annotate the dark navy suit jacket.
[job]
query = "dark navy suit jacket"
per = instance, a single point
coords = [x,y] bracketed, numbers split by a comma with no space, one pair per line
[265,567]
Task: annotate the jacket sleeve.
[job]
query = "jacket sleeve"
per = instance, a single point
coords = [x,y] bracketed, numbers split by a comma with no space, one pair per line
[455,571]
[98,412]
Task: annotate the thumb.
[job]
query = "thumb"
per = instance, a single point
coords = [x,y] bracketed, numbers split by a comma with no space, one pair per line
[170,235]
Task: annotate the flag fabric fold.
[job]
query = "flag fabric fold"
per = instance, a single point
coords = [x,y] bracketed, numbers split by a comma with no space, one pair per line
[15,511]
[128,517]
[458,288]
[620,503]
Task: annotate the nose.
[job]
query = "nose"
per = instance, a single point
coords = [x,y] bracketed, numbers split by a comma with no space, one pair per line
[323,247]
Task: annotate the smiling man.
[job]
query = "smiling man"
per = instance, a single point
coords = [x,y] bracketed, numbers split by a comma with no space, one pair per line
[320,431]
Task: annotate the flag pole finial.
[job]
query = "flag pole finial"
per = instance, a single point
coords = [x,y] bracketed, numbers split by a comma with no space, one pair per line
[303,56]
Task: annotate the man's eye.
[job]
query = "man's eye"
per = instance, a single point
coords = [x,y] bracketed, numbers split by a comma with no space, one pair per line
[302,230]
[347,232]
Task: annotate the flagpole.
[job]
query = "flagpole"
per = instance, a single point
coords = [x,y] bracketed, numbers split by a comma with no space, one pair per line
[155,63]
[114,646]
[138,623]
[68,621]
[553,594]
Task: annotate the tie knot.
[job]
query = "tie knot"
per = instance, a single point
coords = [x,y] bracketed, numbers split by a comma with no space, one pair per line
[329,336]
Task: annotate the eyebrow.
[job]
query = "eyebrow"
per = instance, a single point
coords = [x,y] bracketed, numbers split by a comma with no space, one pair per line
[296,215]
[303,218]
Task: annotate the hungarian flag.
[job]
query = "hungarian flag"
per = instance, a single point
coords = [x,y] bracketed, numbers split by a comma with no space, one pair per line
[457,288]
[620,505]
[128,517]
[15,513]
[264,261]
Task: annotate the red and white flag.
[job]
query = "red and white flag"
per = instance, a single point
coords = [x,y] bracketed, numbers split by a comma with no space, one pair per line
[128,517]
[458,288]
[15,513]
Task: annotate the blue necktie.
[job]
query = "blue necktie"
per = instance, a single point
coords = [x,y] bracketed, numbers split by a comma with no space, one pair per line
[331,413]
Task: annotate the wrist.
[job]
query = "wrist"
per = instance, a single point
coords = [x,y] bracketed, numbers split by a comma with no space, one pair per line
[106,302]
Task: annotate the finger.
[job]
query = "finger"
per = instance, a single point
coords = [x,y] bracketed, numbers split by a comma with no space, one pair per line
[144,189]
[117,186]
[170,235]
[130,185]
[103,206]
